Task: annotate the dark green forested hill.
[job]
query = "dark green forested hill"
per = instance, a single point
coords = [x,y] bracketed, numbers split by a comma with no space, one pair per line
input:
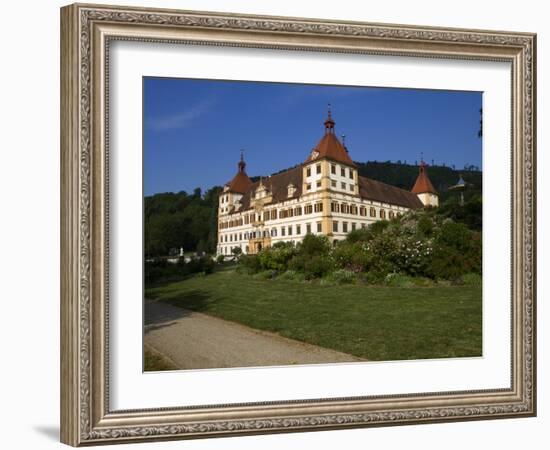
[404,176]
[189,221]
[180,220]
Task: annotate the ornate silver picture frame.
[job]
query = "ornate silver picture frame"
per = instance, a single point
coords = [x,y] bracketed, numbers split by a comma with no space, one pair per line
[87,32]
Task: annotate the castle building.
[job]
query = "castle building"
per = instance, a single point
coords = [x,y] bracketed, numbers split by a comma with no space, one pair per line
[323,195]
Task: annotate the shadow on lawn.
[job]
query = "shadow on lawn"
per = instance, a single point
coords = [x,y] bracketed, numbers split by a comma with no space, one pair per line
[156,317]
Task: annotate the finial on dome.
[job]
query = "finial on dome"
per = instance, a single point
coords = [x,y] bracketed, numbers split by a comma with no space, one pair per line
[329,123]
[242,164]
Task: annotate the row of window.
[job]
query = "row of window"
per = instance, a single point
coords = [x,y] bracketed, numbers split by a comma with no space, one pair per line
[345,227]
[343,171]
[334,184]
[289,230]
[272,215]
[335,207]
[229,251]
[344,208]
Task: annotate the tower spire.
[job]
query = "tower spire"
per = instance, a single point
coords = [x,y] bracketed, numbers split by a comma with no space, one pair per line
[329,123]
[242,164]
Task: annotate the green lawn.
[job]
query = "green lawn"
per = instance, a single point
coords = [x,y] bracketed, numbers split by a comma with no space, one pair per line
[372,322]
[154,361]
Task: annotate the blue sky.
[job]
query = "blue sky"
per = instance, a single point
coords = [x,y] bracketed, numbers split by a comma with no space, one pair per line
[194,129]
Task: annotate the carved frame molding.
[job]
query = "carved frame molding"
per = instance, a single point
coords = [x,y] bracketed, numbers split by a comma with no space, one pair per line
[86,32]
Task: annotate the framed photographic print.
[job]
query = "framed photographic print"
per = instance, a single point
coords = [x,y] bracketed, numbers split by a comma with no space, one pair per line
[277,224]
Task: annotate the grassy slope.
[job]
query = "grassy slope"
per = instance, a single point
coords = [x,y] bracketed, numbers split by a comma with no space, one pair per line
[154,361]
[376,323]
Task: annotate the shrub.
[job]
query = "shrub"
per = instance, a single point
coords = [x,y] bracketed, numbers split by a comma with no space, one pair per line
[472,279]
[297,264]
[317,266]
[278,256]
[342,276]
[292,276]
[159,269]
[457,251]
[398,280]
[314,245]
[236,252]
[425,226]
[266,274]
[378,227]
[250,264]
[352,256]
[197,265]
[220,259]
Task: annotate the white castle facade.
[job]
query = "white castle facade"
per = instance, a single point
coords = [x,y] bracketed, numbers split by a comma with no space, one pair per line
[324,195]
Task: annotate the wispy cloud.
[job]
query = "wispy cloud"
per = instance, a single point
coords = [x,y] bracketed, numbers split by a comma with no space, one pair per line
[181,119]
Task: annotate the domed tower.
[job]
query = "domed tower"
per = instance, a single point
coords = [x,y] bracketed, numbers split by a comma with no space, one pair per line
[229,200]
[329,166]
[424,188]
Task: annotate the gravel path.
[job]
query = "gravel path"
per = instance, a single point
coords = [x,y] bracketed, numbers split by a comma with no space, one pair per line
[194,340]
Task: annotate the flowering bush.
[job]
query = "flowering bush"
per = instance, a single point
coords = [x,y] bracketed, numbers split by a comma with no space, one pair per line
[419,244]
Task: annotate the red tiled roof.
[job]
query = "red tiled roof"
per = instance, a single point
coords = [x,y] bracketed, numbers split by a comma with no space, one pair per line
[240,183]
[423,183]
[331,148]
[277,186]
[386,193]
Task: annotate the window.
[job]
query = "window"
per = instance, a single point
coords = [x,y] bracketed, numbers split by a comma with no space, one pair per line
[372,212]
[345,227]
[273,232]
[363,226]
[318,207]
[343,185]
[298,211]
[351,187]
[298,229]
[282,214]
[283,230]
[353,226]
[318,168]
[240,236]
[308,209]
[230,238]
[308,228]
[246,236]
[391,214]
[308,186]
[266,215]
[351,173]
[382,214]
[290,190]
[290,230]
[362,211]
[333,183]
[342,171]
[308,172]
[345,208]
[319,227]
[246,249]
[333,169]
[273,214]
[290,212]
[334,207]
[335,226]
[318,183]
